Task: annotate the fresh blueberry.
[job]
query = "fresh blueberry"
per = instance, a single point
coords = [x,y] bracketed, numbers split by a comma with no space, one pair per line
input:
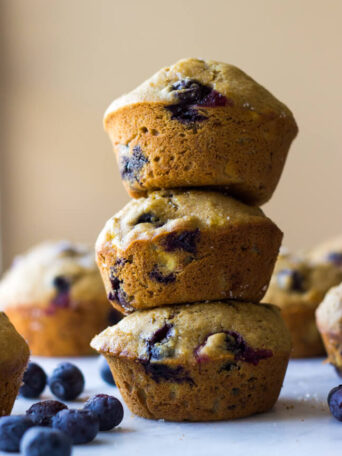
[335,402]
[42,412]
[66,382]
[34,381]
[42,441]
[80,425]
[108,410]
[12,428]
[105,372]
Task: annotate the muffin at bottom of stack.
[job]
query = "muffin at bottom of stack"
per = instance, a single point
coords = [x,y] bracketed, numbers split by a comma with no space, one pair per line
[297,287]
[329,322]
[14,355]
[198,362]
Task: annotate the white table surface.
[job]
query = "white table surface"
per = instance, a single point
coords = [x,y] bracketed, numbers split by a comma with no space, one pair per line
[299,424]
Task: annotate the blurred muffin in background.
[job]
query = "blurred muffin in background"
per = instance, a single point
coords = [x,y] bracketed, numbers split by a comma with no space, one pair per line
[329,251]
[329,322]
[54,296]
[298,286]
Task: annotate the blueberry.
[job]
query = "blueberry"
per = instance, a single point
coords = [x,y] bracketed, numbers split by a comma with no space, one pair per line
[80,425]
[157,276]
[41,441]
[291,280]
[162,372]
[184,240]
[335,402]
[131,165]
[335,258]
[42,412]
[12,428]
[61,283]
[66,382]
[34,381]
[108,410]
[105,372]
[117,293]
[190,91]
[148,217]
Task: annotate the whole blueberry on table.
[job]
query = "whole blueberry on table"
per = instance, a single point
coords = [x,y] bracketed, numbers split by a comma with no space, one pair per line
[12,428]
[108,410]
[66,382]
[105,372]
[34,381]
[41,441]
[335,402]
[80,425]
[42,412]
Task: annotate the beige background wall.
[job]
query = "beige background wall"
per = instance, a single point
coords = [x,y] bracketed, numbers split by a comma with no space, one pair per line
[65,60]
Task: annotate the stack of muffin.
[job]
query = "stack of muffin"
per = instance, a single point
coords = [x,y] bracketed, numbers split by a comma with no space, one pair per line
[187,260]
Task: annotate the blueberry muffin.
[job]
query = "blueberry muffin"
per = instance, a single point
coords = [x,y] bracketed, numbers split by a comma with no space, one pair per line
[198,362]
[297,287]
[329,322]
[186,246]
[329,251]
[55,298]
[201,124]
[14,355]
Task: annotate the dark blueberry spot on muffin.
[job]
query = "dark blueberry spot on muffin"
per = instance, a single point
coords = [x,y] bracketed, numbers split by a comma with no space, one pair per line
[131,165]
[190,94]
[185,240]
[149,217]
[335,258]
[162,372]
[236,345]
[62,298]
[157,344]
[291,280]
[185,114]
[156,275]
[62,284]
[117,294]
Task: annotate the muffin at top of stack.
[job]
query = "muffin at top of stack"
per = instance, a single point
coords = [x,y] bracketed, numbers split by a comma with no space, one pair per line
[297,287]
[198,362]
[54,296]
[186,246]
[201,124]
[14,355]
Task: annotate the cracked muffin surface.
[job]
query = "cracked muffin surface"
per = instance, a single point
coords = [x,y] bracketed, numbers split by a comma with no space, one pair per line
[202,361]
[201,124]
[55,297]
[298,286]
[184,246]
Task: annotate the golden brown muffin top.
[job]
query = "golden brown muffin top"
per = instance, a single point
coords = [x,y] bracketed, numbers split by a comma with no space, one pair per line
[329,312]
[329,251]
[296,281]
[12,346]
[166,211]
[169,85]
[229,330]
[52,271]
